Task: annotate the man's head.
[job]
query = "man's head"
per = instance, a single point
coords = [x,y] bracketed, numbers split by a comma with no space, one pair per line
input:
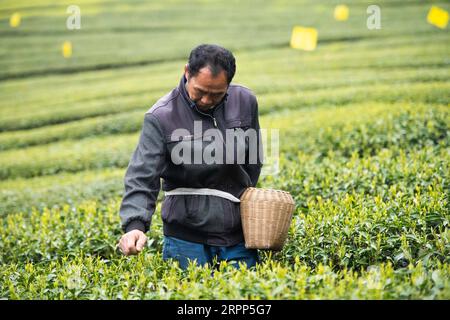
[209,72]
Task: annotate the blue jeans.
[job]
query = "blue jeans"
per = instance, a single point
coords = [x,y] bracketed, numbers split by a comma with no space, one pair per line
[183,251]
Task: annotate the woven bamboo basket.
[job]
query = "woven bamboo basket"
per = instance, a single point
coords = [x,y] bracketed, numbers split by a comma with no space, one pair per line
[266,215]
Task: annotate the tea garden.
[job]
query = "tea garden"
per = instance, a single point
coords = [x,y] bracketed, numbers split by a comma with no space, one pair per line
[364,124]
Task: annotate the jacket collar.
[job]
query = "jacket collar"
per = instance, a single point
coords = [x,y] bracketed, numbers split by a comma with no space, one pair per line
[184,94]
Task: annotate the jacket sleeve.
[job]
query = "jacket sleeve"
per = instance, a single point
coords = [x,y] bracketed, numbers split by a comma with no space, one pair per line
[142,177]
[254,170]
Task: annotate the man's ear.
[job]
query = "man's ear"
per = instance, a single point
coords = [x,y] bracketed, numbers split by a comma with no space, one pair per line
[186,71]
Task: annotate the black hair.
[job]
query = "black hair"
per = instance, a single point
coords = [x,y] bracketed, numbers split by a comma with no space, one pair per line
[214,57]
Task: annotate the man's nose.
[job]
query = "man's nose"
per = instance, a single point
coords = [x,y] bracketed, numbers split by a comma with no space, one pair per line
[206,100]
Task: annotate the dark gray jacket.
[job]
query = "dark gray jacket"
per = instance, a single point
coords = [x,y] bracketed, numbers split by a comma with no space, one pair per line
[198,218]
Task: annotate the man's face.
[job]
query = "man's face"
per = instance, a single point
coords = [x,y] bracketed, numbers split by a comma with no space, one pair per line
[205,89]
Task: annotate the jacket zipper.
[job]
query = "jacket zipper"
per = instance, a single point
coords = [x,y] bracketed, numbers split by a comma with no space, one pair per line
[206,114]
[216,126]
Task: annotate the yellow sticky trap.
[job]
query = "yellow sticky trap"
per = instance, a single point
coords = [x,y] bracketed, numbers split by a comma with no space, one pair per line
[14,20]
[341,12]
[304,38]
[67,49]
[438,17]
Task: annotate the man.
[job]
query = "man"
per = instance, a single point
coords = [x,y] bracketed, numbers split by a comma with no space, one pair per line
[200,212]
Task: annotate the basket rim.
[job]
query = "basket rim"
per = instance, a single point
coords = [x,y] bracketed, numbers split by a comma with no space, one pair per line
[268,201]
[266,189]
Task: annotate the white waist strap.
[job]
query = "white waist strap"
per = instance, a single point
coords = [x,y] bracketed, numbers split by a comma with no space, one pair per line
[202,191]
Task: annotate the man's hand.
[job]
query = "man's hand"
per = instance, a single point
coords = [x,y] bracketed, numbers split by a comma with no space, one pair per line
[132,242]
